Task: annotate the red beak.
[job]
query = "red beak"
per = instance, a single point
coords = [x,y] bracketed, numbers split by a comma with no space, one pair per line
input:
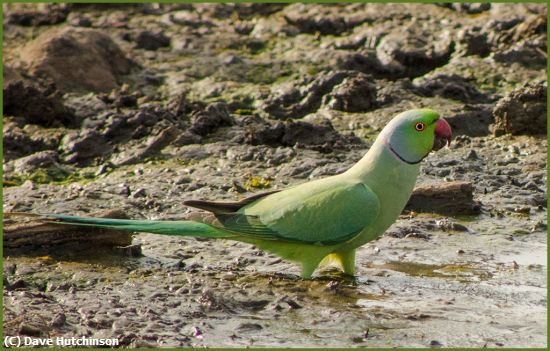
[443,134]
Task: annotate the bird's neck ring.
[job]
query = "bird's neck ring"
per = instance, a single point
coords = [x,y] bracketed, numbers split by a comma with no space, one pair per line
[401,158]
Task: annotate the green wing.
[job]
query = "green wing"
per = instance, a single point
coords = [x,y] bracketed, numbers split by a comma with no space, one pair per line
[319,213]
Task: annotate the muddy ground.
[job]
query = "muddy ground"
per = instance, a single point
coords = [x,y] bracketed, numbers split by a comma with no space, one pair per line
[137,107]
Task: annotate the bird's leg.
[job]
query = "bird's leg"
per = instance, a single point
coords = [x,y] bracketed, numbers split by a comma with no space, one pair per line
[346,259]
[308,267]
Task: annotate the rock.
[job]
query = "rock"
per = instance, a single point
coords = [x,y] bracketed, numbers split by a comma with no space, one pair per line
[243,10]
[58,320]
[390,92]
[121,127]
[414,50]
[85,106]
[450,198]
[29,329]
[83,146]
[42,15]
[434,344]
[523,111]
[138,193]
[41,159]
[467,7]
[449,86]
[79,20]
[319,135]
[18,284]
[323,19]
[152,145]
[187,138]
[214,116]
[190,19]
[305,133]
[249,327]
[411,231]
[519,40]
[473,41]
[19,142]
[472,155]
[367,61]
[305,95]
[264,133]
[448,225]
[122,97]
[36,104]
[472,120]
[243,28]
[76,59]
[292,304]
[181,106]
[151,40]
[354,94]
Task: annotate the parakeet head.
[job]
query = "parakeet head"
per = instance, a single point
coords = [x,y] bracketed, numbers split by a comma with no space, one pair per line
[411,135]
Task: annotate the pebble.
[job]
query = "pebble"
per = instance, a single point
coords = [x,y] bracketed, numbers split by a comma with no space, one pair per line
[28,329]
[138,193]
[58,320]
[18,284]
[472,155]
[435,344]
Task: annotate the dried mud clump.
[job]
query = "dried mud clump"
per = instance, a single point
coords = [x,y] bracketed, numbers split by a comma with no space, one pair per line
[523,111]
[36,104]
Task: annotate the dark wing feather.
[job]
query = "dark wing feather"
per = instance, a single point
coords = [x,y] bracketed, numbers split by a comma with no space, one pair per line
[220,207]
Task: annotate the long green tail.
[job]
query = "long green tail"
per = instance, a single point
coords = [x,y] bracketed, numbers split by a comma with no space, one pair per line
[177,228]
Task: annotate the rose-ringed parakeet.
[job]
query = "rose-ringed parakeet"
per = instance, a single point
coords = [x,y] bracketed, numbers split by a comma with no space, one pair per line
[320,221]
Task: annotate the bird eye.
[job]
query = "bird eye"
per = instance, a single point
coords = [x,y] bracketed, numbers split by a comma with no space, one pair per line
[419,126]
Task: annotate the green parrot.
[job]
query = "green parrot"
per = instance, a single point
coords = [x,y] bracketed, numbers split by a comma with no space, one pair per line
[322,221]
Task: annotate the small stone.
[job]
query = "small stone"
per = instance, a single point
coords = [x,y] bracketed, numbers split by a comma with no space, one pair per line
[151,40]
[522,210]
[138,193]
[472,155]
[435,344]
[29,184]
[333,285]
[58,320]
[18,284]
[30,330]
[102,169]
[245,327]
[291,303]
